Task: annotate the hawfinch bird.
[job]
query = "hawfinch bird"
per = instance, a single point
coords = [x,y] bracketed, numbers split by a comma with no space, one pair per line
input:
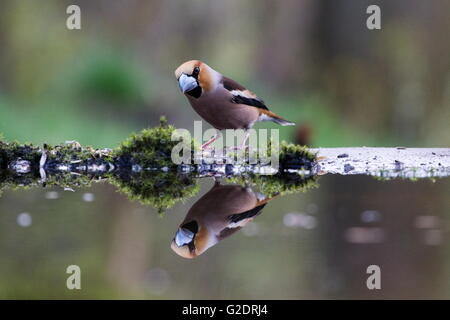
[221,212]
[222,102]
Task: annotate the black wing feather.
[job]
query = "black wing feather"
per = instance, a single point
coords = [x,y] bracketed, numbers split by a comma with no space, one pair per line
[247,214]
[250,102]
[239,217]
[232,85]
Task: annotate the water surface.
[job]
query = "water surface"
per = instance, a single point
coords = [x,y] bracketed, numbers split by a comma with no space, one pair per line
[316,244]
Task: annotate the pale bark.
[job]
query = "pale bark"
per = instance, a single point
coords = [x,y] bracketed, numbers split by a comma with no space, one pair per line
[385,162]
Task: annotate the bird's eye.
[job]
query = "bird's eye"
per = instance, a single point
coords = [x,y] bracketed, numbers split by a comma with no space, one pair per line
[191,226]
[196,71]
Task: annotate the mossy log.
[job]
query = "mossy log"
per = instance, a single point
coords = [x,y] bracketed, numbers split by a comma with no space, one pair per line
[142,166]
[380,162]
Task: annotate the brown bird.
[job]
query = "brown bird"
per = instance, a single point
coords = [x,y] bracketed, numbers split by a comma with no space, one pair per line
[222,102]
[221,212]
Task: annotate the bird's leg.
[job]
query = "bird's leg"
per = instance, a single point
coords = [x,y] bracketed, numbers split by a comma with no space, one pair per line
[214,138]
[235,148]
[247,134]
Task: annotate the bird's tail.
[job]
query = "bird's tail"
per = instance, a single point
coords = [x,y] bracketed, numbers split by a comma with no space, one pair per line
[283,122]
[270,116]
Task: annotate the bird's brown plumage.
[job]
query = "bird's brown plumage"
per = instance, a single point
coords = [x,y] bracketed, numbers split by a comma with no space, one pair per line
[219,213]
[224,103]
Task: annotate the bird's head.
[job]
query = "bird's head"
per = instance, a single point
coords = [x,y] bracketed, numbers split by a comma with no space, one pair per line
[190,240]
[196,78]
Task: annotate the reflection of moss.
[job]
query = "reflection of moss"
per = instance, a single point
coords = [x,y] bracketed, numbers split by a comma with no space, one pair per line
[77,159]
[294,175]
[9,181]
[280,183]
[158,189]
[409,174]
[142,168]
[147,172]
[16,151]
[70,155]
[69,180]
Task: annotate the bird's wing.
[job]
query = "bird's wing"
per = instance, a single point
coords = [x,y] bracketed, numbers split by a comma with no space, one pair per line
[235,220]
[240,95]
[237,217]
[226,232]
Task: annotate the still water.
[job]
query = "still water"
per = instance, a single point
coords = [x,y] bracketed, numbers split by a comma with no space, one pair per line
[316,244]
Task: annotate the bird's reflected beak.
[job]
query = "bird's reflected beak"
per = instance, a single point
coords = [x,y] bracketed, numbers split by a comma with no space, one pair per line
[183,236]
[187,83]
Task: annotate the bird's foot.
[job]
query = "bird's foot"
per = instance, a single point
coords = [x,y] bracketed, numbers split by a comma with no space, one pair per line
[236,148]
[207,145]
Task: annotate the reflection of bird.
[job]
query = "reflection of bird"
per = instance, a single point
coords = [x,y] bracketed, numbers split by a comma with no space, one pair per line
[222,102]
[222,211]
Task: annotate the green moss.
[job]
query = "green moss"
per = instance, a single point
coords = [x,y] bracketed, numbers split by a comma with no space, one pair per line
[14,150]
[289,154]
[294,175]
[296,157]
[290,149]
[147,172]
[72,152]
[143,168]
[151,148]
[63,154]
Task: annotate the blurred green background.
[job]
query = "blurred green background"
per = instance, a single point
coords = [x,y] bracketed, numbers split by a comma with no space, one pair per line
[313,62]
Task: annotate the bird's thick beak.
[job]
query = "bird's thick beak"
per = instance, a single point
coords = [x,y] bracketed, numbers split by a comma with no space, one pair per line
[183,236]
[187,83]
